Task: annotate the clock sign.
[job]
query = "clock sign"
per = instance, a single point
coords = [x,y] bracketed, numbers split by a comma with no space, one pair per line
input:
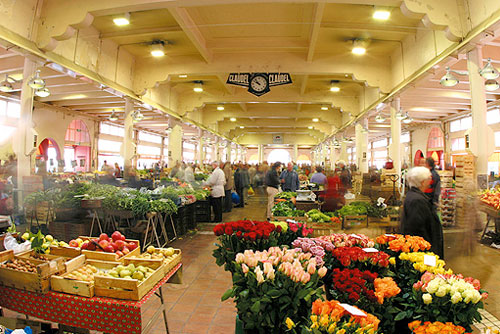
[259,84]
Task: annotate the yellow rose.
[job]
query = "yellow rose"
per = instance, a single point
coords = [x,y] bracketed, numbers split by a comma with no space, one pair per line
[332,327]
[392,261]
[289,323]
[427,298]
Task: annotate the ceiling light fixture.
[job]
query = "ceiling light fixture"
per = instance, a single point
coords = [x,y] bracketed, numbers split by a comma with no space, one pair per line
[137,116]
[310,127]
[324,107]
[113,117]
[379,118]
[488,71]
[399,115]
[6,86]
[158,49]
[220,107]
[36,82]
[490,85]
[242,127]
[381,14]
[42,92]
[348,140]
[232,119]
[358,47]
[407,119]
[334,86]
[183,76]
[315,120]
[198,86]
[449,80]
[122,20]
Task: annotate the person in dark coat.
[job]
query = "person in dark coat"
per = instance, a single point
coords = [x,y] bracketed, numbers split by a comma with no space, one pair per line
[434,190]
[418,217]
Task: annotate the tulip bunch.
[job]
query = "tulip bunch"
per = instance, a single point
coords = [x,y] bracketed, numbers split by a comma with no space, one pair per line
[291,231]
[356,257]
[417,262]
[449,298]
[397,243]
[417,327]
[332,317]
[348,240]
[274,285]
[316,246]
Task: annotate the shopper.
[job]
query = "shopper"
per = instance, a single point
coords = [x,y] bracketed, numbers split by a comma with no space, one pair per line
[240,183]
[175,169]
[118,171]
[251,173]
[216,181]
[319,177]
[289,179]
[345,175]
[246,181]
[434,190]
[418,218]
[228,172]
[188,173]
[272,184]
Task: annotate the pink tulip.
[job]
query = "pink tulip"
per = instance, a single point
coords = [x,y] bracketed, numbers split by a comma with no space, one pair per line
[245,268]
[260,277]
[311,268]
[322,272]
[240,258]
[305,278]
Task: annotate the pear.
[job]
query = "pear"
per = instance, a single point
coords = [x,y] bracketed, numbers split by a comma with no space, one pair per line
[138,275]
[124,273]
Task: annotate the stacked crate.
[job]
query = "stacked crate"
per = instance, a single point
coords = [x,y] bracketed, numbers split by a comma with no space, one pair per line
[448,206]
[464,174]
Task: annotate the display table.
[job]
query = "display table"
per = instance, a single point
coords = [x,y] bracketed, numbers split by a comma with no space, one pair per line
[492,215]
[106,315]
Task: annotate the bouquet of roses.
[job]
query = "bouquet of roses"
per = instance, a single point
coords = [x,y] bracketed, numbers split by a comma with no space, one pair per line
[348,240]
[356,257]
[291,231]
[449,298]
[235,237]
[275,288]
[333,317]
[366,290]
[319,248]
[435,327]
[393,244]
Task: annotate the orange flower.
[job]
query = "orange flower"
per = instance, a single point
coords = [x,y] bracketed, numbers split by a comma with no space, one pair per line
[405,243]
[385,288]
[435,328]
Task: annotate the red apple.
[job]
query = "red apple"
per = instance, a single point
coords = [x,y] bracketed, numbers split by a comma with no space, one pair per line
[120,244]
[123,237]
[125,250]
[116,235]
[85,245]
[103,236]
[119,253]
[131,246]
[91,246]
[104,244]
[73,243]
[109,249]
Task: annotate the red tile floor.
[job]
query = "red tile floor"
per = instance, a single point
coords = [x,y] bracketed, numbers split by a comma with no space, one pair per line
[195,306]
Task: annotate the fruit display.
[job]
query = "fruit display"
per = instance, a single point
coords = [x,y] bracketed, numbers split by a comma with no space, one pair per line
[159,253]
[117,244]
[20,264]
[41,243]
[130,271]
[84,273]
[491,198]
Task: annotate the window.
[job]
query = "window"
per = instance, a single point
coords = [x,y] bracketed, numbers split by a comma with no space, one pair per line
[3,108]
[188,146]
[461,124]
[165,152]
[458,144]
[113,130]
[380,143]
[77,132]
[380,154]
[13,109]
[6,132]
[109,145]
[148,150]
[188,156]
[405,138]
[349,150]
[497,139]
[493,116]
[143,136]
[353,150]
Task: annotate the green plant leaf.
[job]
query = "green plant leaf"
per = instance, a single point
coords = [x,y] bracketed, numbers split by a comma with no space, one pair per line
[255,307]
[228,294]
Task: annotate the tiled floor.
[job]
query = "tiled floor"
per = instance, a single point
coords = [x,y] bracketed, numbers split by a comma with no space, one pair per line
[195,306]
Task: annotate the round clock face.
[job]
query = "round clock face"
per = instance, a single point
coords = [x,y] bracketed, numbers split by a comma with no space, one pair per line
[258,83]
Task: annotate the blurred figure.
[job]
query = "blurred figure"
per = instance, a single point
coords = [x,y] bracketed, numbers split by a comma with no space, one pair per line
[319,177]
[434,190]
[118,171]
[418,217]
[272,183]
[216,181]
[240,183]
[228,203]
[175,169]
[345,175]
[251,174]
[188,173]
[289,179]
[334,195]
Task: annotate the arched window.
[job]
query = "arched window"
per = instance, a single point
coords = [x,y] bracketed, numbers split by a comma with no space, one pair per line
[435,140]
[77,133]
[279,155]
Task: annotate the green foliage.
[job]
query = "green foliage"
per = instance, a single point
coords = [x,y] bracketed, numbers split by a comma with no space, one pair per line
[286,209]
[286,195]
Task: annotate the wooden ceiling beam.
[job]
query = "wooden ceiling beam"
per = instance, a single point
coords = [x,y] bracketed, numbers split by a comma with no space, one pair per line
[141,32]
[315,28]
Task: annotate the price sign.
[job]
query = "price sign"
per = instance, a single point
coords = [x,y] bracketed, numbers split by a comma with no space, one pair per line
[356,236]
[370,250]
[353,310]
[430,260]
[390,235]
[291,221]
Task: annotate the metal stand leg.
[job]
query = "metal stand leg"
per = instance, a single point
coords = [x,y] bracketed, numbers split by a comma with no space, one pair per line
[160,295]
[173,228]
[95,218]
[152,220]
[164,234]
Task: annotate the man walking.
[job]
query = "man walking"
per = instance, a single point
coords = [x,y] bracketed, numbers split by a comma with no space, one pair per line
[289,179]
[217,180]
[272,183]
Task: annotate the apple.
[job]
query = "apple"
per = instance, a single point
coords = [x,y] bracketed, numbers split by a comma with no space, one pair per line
[103,236]
[109,249]
[125,250]
[115,246]
[73,243]
[91,246]
[119,253]
[116,235]
[131,246]
[85,245]
[120,244]
[104,244]
[123,237]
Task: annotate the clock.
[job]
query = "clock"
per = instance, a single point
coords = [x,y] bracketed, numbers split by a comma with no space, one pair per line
[259,84]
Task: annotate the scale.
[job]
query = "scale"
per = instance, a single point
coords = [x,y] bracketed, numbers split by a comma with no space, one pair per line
[305,196]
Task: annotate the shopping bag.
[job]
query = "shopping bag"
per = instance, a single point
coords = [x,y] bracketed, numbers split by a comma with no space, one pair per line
[235,198]
[250,191]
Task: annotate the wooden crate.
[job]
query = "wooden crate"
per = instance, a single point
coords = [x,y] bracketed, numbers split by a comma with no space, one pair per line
[131,289]
[110,257]
[282,219]
[65,251]
[36,282]
[320,229]
[351,221]
[168,265]
[56,262]
[63,284]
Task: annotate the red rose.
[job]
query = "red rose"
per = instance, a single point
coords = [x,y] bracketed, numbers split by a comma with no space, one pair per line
[228,230]
[278,229]
[239,234]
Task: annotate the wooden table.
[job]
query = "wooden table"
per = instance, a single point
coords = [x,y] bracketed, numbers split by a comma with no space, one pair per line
[106,315]
[491,215]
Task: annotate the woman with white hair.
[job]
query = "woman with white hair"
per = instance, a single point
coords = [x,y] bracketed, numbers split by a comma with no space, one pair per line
[418,218]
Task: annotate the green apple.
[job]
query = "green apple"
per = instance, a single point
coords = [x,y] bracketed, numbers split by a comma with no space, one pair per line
[124,273]
[138,275]
[131,267]
[25,236]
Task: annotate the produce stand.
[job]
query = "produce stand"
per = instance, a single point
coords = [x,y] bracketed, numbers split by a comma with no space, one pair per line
[107,315]
[282,218]
[307,205]
[349,221]
[491,215]
[202,211]
[320,229]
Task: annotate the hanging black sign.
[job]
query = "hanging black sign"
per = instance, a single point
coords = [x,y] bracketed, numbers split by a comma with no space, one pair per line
[259,83]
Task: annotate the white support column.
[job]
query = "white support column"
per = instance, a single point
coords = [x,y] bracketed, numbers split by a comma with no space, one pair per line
[334,156]
[395,147]
[343,152]
[128,148]
[295,153]
[362,146]
[229,148]
[324,155]
[24,138]
[175,143]
[200,147]
[260,153]
[481,136]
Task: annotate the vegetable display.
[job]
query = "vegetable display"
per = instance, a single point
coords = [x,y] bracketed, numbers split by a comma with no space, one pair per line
[286,195]
[286,209]
[354,209]
[319,217]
